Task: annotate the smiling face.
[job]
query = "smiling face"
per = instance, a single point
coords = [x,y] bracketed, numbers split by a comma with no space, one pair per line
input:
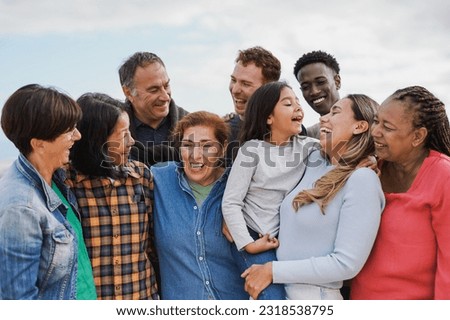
[243,83]
[319,85]
[120,141]
[150,96]
[393,132]
[286,118]
[200,152]
[338,127]
[57,151]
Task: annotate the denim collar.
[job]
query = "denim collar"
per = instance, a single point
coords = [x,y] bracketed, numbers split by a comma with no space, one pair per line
[27,169]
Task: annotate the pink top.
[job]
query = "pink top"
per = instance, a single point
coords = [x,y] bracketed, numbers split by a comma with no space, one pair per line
[411,255]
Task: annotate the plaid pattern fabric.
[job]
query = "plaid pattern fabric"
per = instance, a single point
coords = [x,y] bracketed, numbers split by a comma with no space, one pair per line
[116,215]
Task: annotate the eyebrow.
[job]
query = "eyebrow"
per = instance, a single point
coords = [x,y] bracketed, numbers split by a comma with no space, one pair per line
[335,107]
[203,140]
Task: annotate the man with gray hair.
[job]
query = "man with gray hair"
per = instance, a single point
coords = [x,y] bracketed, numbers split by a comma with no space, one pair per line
[153,113]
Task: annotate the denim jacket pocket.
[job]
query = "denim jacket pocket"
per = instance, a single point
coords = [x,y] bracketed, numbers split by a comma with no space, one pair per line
[60,253]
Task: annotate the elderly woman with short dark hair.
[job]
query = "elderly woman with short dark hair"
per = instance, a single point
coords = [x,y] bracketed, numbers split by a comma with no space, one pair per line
[42,251]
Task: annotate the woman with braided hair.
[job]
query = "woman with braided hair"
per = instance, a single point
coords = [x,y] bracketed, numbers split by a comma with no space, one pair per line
[411,255]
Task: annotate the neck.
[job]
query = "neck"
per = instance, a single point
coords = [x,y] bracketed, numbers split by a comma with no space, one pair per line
[411,165]
[278,139]
[41,166]
[399,176]
[151,122]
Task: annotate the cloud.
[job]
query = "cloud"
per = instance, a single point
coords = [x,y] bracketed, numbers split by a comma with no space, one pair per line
[380,45]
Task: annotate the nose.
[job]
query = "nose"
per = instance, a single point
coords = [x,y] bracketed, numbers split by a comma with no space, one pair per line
[130,141]
[165,95]
[314,89]
[76,135]
[234,87]
[375,130]
[324,118]
[197,153]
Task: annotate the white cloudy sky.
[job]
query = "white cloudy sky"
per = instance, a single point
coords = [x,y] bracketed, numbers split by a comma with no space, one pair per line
[78,45]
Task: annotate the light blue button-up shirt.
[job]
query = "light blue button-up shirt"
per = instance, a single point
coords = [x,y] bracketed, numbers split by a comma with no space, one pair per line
[194,256]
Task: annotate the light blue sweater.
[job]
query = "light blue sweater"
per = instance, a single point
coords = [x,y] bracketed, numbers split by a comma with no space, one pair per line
[325,249]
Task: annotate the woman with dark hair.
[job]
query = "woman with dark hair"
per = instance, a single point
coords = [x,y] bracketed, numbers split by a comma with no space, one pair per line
[267,167]
[411,255]
[328,223]
[42,252]
[113,194]
[195,257]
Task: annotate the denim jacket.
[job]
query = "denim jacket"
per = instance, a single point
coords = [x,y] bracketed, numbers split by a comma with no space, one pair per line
[194,256]
[38,247]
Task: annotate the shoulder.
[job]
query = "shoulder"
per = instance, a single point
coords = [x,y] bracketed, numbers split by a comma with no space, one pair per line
[180,112]
[164,168]
[139,169]
[231,117]
[364,177]
[439,162]
[307,141]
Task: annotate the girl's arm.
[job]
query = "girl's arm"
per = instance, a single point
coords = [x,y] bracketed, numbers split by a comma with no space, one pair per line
[238,184]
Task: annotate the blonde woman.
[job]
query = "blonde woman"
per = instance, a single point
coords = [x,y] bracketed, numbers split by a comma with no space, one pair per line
[329,222]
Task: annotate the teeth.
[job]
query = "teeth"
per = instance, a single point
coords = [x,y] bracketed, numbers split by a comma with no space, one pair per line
[318,100]
[326,130]
[196,165]
[379,145]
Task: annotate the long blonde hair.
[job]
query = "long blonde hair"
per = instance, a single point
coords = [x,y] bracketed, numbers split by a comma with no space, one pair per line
[358,147]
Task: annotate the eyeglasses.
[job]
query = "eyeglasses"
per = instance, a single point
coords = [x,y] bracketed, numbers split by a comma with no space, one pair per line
[206,146]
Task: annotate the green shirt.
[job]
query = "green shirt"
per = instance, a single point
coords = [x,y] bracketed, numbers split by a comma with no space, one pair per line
[85,278]
[200,192]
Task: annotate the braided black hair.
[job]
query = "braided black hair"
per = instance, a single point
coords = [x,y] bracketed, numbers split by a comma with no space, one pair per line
[429,112]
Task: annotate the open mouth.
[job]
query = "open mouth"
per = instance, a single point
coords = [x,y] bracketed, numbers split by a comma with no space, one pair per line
[196,165]
[297,118]
[325,130]
[319,100]
[379,145]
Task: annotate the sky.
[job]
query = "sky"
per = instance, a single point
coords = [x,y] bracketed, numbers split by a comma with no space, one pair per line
[77,46]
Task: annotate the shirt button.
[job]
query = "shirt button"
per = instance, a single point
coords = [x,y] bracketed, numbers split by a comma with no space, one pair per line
[195,207]
[207,282]
[200,258]
[199,233]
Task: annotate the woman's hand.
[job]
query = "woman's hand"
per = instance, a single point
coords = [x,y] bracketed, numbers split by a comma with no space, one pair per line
[257,278]
[371,163]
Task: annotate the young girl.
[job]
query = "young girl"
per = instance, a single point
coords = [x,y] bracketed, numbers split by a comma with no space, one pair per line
[269,164]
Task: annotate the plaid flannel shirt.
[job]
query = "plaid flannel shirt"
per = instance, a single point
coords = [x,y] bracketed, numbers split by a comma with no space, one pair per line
[117,220]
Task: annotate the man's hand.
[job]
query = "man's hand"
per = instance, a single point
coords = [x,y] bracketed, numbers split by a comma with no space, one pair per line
[226,232]
[257,278]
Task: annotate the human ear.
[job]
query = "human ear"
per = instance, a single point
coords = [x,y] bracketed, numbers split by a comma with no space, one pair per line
[360,127]
[270,120]
[419,136]
[37,145]
[337,81]
[127,92]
